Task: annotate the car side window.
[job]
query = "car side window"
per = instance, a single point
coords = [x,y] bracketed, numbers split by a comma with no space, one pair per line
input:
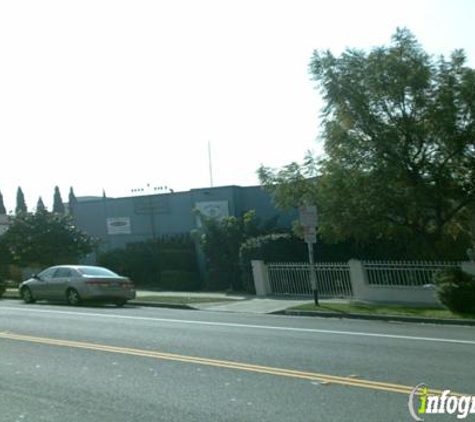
[74,274]
[62,272]
[47,274]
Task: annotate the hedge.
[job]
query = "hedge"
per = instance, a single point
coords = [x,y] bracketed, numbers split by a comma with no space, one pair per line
[145,262]
[456,290]
[179,280]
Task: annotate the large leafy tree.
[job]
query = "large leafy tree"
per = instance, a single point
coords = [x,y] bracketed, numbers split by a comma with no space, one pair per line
[44,239]
[399,137]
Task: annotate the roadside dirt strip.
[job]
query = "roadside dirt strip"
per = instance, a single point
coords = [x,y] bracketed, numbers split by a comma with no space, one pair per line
[324,379]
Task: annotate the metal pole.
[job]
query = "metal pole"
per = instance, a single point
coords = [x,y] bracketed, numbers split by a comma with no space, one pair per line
[313,278]
[210,165]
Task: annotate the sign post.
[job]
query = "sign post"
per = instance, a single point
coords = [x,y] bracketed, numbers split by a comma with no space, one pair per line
[309,220]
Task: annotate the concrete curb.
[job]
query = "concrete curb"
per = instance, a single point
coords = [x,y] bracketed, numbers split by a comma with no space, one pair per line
[395,318]
[161,305]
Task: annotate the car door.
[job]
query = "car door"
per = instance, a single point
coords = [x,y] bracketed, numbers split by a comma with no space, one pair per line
[42,285]
[58,283]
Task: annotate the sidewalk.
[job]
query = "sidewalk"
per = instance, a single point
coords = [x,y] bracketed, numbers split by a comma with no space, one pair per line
[275,305]
[227,302]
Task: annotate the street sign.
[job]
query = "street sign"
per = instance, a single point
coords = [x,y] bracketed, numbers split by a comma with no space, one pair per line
[309,220]
[310,234]
[308,215]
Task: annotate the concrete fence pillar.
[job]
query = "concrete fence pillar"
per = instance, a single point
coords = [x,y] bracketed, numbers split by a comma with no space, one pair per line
[358,280]
[260,274]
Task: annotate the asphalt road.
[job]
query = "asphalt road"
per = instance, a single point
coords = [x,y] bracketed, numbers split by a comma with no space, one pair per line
[63,364]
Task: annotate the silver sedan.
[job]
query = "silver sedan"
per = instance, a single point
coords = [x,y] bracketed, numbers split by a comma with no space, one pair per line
[76,283]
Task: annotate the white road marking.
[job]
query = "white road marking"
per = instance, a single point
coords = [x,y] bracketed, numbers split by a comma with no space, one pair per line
[235,325]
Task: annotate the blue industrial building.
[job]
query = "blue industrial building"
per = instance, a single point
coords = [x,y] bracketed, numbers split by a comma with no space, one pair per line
[119,221]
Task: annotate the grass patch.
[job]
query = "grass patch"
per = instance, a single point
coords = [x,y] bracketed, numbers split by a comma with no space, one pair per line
[373,309]
[182,300]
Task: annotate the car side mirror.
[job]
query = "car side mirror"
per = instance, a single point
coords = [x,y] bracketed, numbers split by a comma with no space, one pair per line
[36,277]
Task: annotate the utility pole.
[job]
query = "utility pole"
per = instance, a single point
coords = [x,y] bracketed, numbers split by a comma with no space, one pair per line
[210,165]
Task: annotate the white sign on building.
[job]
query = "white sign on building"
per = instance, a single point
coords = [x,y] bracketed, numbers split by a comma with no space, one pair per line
[212,209]
[118,225]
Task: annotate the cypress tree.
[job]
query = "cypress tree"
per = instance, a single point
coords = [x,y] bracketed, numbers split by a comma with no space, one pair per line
[72,201]
[20,202]
[3,211]
[40,206]
[58,206]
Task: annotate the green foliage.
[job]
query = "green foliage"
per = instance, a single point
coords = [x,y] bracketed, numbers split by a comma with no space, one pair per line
[58,206]
[287,247]
[281,247]
[3,211]
[221,240]
[72,201]
[177,280]
[293,185]
[40,206]
[14,273]
[20,202]
[456,290]
[118,260]
[178,259]
[5,259]
[145,262]
[399,136]
[139,261]
[44,239]
[3,287]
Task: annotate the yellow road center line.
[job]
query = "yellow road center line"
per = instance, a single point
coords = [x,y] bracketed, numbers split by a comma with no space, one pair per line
[332,379]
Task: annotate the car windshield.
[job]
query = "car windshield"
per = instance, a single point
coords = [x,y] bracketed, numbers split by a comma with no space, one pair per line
[96,271]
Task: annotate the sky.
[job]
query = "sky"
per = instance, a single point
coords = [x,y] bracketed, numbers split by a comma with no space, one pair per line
[120,95]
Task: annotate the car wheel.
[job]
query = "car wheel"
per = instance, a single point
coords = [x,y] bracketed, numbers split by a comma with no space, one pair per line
[73,298]
[27,296]
[120,303]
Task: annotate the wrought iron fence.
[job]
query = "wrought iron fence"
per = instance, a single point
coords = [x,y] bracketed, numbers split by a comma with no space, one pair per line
[333,279]
[403,273]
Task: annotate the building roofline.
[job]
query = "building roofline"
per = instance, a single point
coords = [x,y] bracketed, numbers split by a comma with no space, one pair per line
[89,199]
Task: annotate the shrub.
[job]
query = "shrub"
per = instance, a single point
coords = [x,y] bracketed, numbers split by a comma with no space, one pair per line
[144,262]
[179,280]
[2,287]
[14,273]
[221,239]
[282,247]
[136,262]
[218,281]
[456,290]
[176,259]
